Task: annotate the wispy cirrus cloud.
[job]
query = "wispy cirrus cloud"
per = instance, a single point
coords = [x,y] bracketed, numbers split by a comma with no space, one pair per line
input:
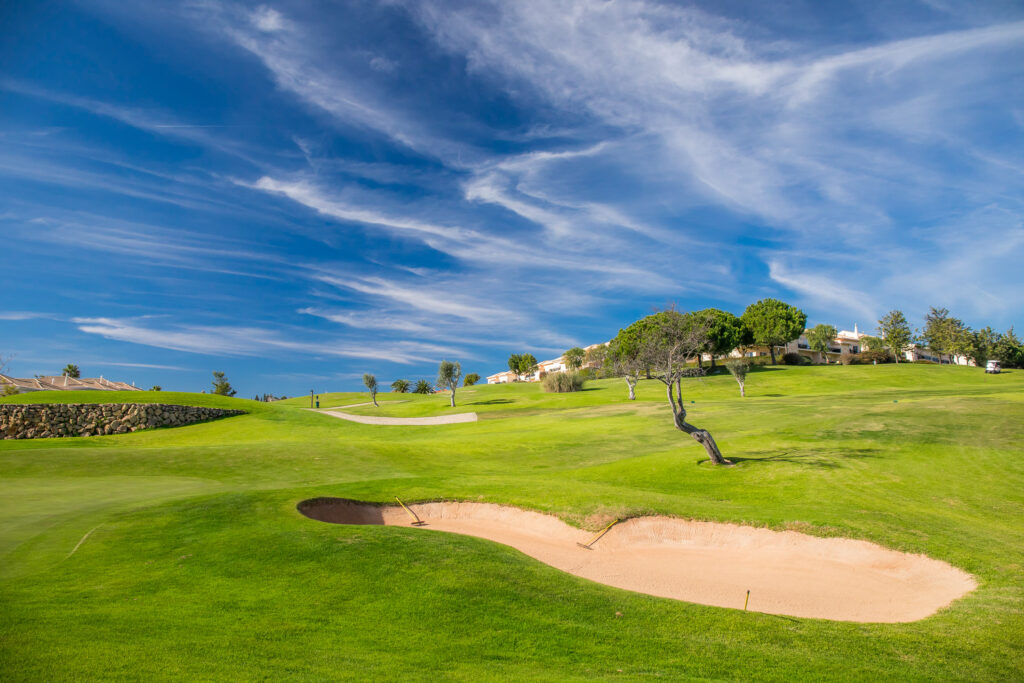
[224,340]
[22,315]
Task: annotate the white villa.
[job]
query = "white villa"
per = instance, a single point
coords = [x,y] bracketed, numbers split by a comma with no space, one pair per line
[543,368]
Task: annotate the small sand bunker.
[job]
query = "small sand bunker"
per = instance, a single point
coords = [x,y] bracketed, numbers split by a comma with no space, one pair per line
[704,562]
[457,418]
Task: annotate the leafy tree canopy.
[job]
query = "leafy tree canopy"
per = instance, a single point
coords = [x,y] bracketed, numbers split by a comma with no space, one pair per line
[725,331]
[774,323]
[221,385]
[821,337]
[574,358]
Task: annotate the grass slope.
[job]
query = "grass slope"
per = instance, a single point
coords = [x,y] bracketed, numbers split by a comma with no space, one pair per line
[197,565]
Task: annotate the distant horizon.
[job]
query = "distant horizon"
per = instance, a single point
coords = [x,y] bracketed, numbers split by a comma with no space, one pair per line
[297,193]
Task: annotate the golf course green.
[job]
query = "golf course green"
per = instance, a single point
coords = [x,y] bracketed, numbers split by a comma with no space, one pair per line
[179,553]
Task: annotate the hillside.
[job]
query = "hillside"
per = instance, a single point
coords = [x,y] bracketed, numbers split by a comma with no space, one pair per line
[179,552]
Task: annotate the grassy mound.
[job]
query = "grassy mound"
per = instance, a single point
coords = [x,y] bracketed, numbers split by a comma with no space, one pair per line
[196,563]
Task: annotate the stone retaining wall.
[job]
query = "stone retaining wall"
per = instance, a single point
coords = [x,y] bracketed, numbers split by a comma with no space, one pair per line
[41,421]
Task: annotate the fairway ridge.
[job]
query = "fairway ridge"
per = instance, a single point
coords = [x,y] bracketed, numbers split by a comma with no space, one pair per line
[710,563]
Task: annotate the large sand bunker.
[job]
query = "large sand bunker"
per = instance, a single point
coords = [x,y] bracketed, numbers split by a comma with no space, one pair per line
[704,562]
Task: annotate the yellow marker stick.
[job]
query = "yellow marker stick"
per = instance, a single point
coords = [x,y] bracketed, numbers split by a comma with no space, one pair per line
[746,601]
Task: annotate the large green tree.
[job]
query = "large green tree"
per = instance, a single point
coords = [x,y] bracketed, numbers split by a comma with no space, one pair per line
[895,332]
[574,358]
[945,334]
[1009,350]
[773,323]
[522,364]
[982,345]
[725,332]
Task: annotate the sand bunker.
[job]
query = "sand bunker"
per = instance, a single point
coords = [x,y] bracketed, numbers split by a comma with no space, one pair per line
[396,421]
[704,562]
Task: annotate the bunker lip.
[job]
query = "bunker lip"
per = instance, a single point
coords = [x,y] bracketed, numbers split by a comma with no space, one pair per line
[710,563]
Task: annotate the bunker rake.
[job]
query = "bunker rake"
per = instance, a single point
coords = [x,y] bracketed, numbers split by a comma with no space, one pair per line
[416,521]
[595,539]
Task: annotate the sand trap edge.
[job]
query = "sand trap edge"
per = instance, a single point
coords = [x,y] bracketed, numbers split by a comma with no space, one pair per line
[710,563]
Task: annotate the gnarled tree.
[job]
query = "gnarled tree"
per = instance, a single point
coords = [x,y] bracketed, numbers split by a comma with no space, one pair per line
[448,376]
[667,340]
[371,385]
[622,356]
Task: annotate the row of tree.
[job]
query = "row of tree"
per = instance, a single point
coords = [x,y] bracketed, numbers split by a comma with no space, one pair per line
[944,334]
[449,375]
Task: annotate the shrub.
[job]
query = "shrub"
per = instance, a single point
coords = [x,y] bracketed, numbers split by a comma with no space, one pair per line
[423,387]
[471,379]
[871,356]
[794,358]
[848,359]
[923,361]
[562,382]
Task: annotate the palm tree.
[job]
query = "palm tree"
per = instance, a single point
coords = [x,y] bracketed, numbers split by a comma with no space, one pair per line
[71,370]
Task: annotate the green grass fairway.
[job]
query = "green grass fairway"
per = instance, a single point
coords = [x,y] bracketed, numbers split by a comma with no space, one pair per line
[197,565]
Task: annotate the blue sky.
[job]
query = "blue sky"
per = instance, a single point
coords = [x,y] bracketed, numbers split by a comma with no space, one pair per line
[296,193]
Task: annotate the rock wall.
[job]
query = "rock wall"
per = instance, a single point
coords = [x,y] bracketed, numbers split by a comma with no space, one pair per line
[41,421]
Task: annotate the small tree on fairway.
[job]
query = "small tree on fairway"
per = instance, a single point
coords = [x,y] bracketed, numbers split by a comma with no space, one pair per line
[895,332]
[156,387]
[821,337]
[774,323]
[423,387]
[623,357]
[400,386]
[471,379]
[448,376]
[371,384]
[739,369]
[667,340]
[71,370]
[221,385]
[574,358]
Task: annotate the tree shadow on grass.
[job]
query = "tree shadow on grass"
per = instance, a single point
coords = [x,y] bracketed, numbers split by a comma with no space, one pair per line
[491,402]
[820,460]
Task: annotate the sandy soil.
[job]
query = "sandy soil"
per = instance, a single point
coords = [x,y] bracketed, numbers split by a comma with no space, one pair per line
[704,562]
[394,421]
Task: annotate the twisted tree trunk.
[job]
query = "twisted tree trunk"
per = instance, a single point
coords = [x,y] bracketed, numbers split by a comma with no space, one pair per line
[631,383]
[701,436]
